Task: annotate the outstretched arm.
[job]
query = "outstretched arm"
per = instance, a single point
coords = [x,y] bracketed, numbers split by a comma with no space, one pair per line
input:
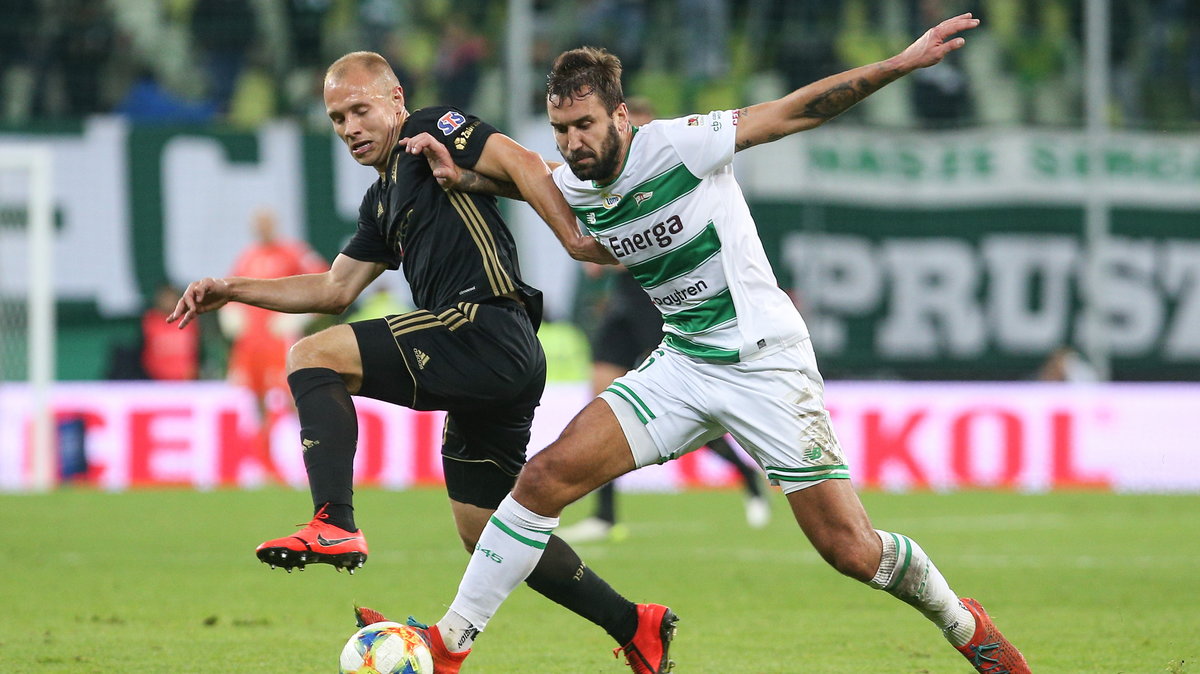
[814,104]
[454,177]
[328,293]
[451,176]
[466,180]
[507,169]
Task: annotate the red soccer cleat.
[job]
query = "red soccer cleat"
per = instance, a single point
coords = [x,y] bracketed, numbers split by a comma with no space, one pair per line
[367,616]
[444,662]
[317,542]
[646,653]
[988,651]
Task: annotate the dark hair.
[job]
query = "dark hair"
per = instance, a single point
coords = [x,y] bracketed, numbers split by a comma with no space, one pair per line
[579,73]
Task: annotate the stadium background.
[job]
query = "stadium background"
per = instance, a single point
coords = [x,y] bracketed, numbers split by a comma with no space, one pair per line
[941,240]
[945,230]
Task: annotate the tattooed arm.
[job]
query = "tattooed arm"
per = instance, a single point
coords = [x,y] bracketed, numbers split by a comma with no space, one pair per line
[812,105]
[470,181]
[466,180]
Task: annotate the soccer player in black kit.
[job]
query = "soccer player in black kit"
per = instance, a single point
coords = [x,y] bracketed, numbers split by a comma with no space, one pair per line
[470,347]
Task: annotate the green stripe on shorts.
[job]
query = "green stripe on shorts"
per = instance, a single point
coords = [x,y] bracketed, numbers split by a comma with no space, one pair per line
[627,394]
[835,472]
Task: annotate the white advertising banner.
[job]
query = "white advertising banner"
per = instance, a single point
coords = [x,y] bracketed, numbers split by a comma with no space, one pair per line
[976,167]
[897,436]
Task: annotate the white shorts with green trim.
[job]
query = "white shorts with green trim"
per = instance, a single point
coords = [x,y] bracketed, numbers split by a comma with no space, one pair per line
[773,406]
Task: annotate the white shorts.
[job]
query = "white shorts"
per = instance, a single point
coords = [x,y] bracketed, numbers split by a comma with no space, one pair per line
[773,406]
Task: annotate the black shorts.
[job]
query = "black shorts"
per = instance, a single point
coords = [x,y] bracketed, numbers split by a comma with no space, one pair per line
[481,363]
[626,334]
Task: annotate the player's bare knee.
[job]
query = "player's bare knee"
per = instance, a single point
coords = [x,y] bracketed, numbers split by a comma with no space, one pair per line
[537,477]
[334,348]
[543,487]
[304,354]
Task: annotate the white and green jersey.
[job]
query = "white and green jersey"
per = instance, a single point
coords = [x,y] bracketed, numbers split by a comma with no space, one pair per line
[677,219]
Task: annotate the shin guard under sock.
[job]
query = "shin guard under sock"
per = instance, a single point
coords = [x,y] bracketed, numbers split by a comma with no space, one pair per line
[507,552]
[329,434]
[907,573]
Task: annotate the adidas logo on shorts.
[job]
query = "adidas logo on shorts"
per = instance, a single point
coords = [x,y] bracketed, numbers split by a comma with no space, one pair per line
[422,358]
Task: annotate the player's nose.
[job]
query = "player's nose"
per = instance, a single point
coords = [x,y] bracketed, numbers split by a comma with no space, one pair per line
[574,140]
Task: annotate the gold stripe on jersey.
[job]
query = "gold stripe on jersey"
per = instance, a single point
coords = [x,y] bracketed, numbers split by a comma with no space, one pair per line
[498,278]
[479,231]
[467,212]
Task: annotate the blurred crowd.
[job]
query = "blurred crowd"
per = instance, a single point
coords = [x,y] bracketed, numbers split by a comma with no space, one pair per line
[242,62]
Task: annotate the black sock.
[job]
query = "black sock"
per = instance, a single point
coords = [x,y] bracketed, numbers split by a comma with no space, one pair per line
[562,577]
[329,434]
[606,503]
[721,447]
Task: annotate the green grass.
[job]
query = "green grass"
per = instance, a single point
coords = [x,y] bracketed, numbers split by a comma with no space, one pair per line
[157,581]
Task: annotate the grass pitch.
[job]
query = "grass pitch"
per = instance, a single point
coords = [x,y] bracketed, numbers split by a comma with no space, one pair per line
[166,581]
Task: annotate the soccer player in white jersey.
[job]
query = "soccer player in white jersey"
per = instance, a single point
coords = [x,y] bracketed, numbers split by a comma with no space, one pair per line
[735,356]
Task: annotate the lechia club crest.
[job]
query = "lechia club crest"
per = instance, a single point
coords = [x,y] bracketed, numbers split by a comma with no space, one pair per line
[610,200]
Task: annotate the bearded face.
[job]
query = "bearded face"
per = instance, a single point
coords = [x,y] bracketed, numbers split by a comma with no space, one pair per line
[588,136]
[599,164]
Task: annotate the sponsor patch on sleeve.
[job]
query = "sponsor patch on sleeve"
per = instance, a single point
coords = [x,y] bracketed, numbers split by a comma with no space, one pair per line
[449,122]
[460,143]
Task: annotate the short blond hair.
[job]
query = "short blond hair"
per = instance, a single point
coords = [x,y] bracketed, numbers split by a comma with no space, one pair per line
[368,61]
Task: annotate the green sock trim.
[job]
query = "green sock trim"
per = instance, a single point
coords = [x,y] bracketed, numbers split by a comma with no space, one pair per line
[540,545]
[898,574]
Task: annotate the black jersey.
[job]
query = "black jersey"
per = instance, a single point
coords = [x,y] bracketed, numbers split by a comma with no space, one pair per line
[455,247]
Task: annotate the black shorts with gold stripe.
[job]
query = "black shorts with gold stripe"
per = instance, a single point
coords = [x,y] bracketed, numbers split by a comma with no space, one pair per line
[483,364]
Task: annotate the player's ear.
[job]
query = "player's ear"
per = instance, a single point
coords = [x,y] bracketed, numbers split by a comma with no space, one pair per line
[621,117]
[398,96]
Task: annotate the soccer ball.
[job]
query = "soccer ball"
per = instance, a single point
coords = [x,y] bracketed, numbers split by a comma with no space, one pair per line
[386,648]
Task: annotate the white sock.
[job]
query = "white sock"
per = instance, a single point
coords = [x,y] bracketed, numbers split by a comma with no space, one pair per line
[907,573]
[509,548]
[457,632]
